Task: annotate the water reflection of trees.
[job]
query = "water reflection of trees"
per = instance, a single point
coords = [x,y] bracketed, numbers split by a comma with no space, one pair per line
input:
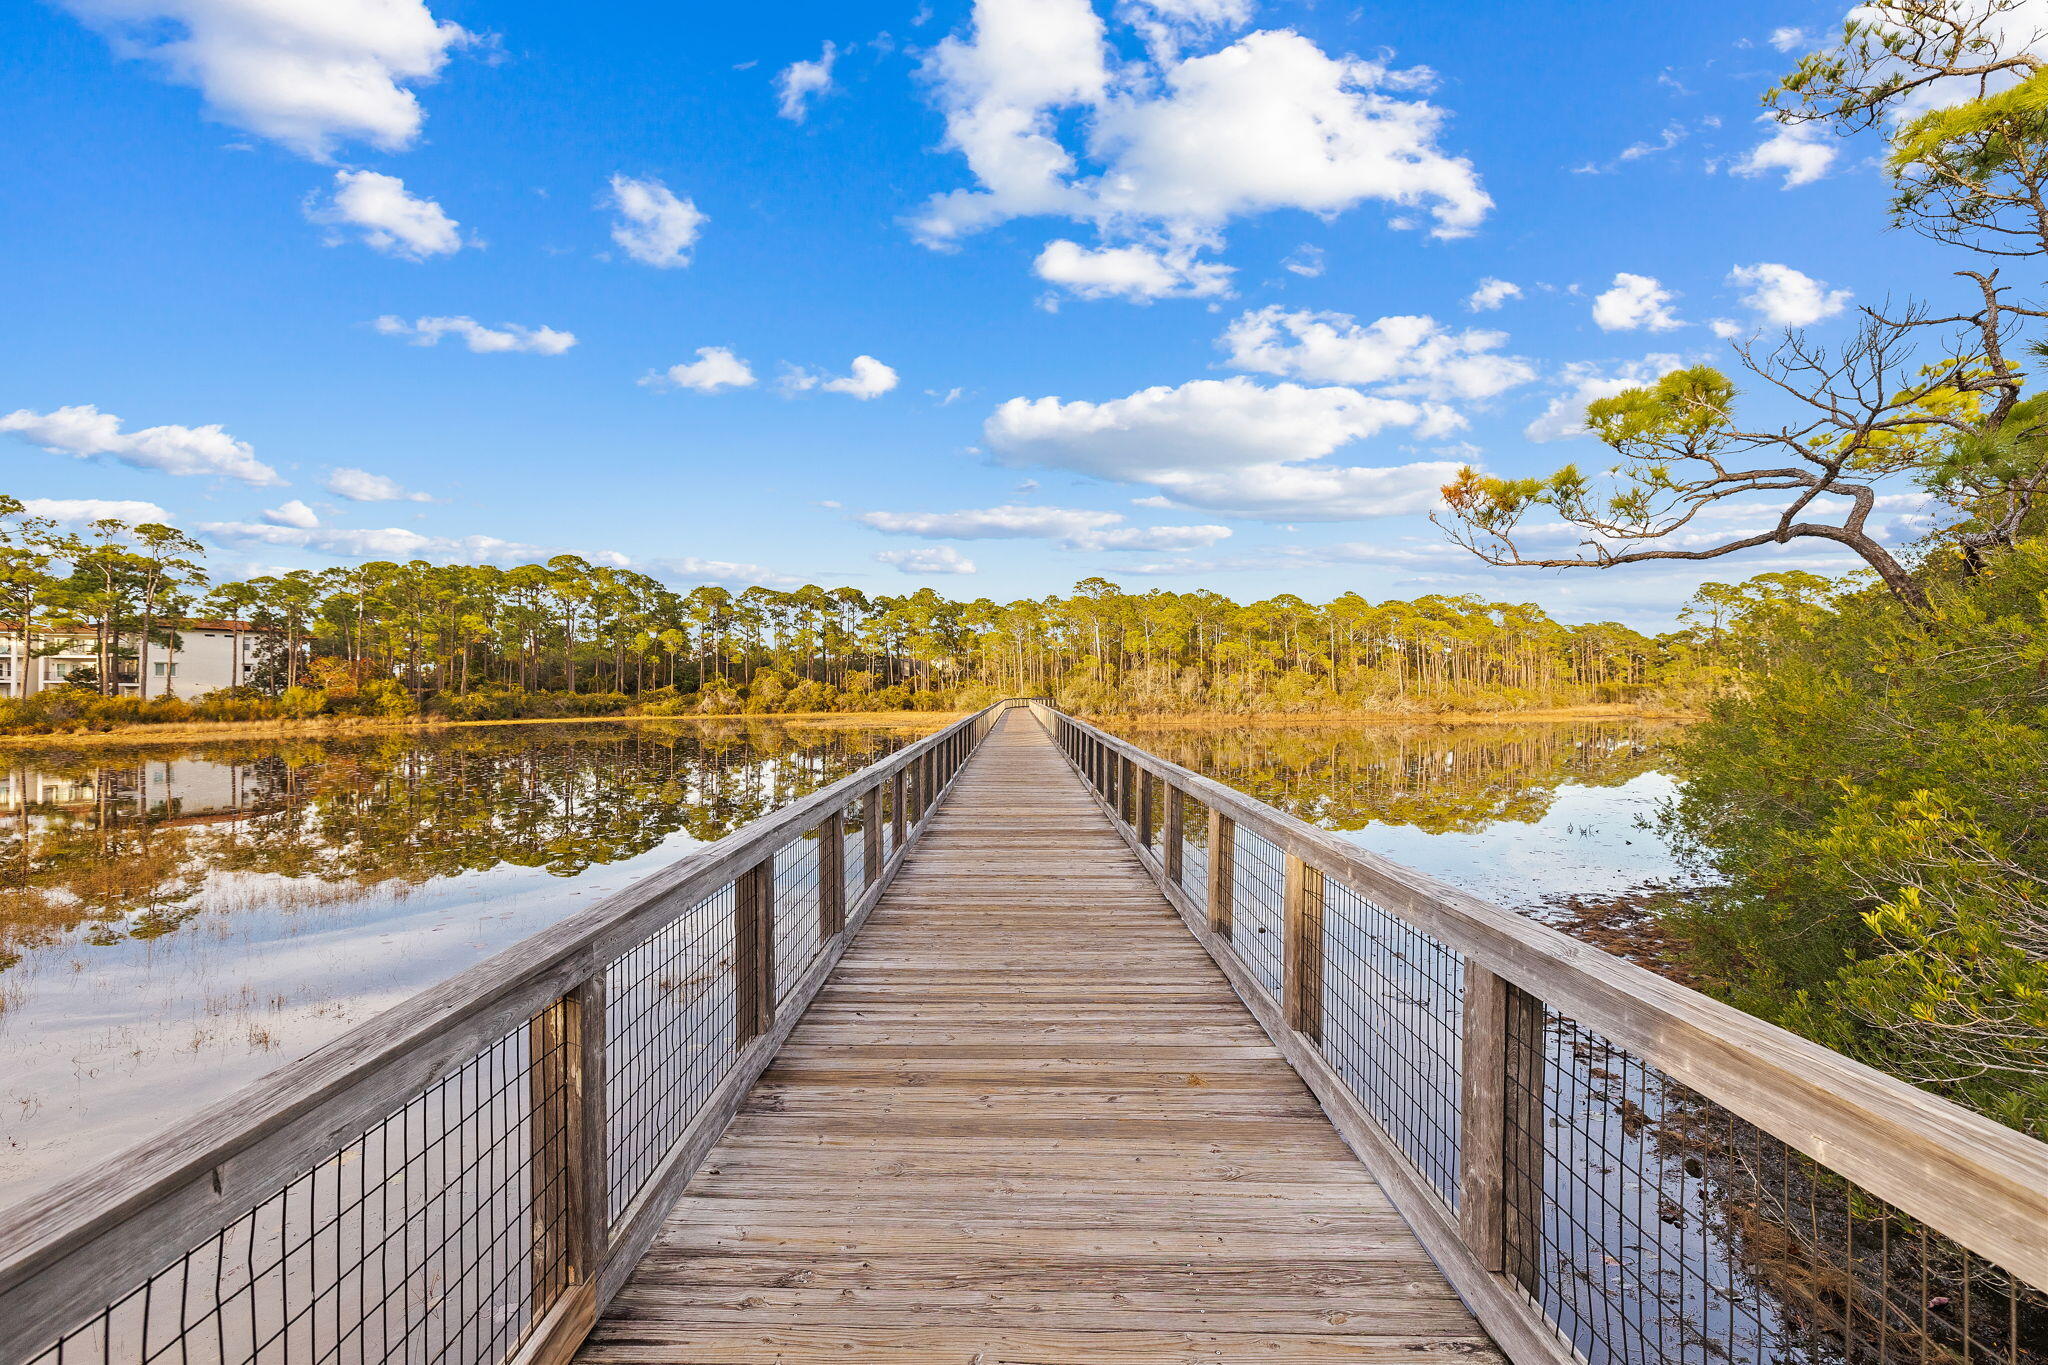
[1442,779]
[124,847]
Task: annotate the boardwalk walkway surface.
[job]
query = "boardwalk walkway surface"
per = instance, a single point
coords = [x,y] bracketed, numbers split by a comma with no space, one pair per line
[1028,1121]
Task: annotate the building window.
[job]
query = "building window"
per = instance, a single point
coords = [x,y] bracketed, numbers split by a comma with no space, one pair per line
[163,670]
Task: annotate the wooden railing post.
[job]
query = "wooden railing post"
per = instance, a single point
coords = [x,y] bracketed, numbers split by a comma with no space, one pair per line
[871,835]
[1173,839]
[553,1114]
[1522,1172]
[753,954]
[1146,783]
[1500,1148]
[1302,930]
[1222,870]
[1482,1117]
[897,782]
[566,1116]
[832,875]
[594,1137]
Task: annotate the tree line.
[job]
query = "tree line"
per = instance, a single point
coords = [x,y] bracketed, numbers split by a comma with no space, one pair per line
[465,637]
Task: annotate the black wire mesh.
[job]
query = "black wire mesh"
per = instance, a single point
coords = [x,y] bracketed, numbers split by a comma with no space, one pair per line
[1258,895]
[429,1238]
[1652,1225]
[797,938]
[669,1006]
[854,857]
[1194,851]
[1393,1023]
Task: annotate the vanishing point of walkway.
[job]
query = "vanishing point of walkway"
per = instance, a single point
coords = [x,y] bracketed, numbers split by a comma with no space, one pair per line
[1028,1121]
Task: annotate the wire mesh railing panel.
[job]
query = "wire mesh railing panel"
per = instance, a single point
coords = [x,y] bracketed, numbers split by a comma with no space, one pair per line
[1257,903]
[1654,1226]
[1392,1025]
[798,939]
[1194,851]
[433,1238]
[854,857]
[669,1038]
[889,807]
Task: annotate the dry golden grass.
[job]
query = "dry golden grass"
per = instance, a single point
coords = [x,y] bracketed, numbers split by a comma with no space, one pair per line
[1599,711]
[325,726]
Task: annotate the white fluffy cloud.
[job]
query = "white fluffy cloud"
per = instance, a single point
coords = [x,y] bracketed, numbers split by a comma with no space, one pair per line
[1786,37]
[1404,355]
[378,210]
[306,74]
[389,542]
[1072,527]
[653,226]
[1166,25]
[1175,147]
[479,338]
[1565,417]
[935,559]
[799,82]
[1231,445]
[1490,294]
[82,430]
[1799,151]
[292,513]
[692,569]
[360,485]
[868,378]
[715,368]
[1635,303]
[81,511]
[1786,297]
[1137,273]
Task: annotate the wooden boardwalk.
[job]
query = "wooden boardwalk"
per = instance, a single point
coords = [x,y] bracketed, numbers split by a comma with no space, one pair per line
[1007,1131]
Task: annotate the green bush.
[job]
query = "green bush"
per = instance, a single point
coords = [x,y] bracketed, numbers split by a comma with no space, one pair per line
[1877,806]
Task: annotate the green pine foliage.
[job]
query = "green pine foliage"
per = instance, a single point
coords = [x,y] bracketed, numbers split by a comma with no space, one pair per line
[1875,801]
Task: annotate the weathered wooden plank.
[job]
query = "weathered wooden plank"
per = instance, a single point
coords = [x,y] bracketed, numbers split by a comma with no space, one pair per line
[1020,1346]
[1966,1176]
[1027,1096]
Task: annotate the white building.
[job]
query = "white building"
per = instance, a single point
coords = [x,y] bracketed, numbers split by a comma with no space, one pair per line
[210,655]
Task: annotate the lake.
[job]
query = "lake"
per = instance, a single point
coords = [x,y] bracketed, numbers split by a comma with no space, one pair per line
[1526,815]
[177,919]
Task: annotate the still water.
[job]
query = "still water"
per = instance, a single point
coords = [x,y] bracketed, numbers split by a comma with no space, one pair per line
[1525,815]
[177,920]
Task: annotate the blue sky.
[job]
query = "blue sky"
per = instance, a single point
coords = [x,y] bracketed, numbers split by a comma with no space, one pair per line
[214,202]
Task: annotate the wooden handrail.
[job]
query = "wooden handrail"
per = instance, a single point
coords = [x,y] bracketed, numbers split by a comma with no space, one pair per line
[1975,1181]
[66,1252]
